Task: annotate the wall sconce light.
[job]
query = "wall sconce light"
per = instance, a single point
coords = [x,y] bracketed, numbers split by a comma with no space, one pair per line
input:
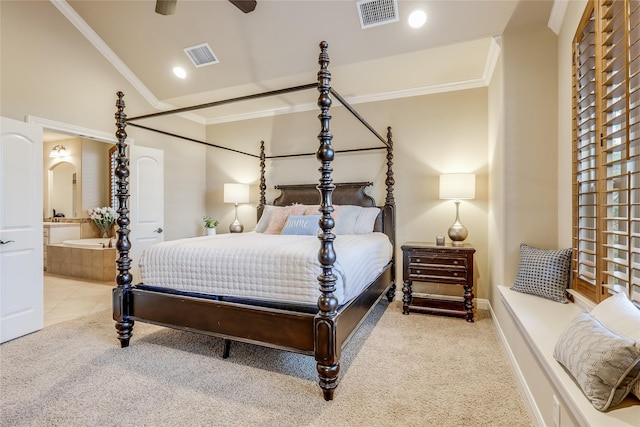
[58,151]
[458,186]
[236,193]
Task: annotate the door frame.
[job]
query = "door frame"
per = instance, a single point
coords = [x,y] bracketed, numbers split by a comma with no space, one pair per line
[73,130]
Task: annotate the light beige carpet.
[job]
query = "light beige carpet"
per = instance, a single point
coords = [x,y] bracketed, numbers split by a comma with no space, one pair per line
[416,370]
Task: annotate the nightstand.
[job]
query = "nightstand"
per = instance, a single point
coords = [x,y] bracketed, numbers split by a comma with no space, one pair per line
[430,263]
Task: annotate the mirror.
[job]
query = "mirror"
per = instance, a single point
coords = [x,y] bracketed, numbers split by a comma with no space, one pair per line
[85,158]
[63,190]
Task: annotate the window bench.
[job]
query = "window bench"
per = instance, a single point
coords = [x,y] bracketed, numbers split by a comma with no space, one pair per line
[538,323]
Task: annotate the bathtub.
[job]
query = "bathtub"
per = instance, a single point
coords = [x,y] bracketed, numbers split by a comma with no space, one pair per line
[93,243]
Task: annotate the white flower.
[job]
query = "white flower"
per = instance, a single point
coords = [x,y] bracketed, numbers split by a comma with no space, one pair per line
[104,217]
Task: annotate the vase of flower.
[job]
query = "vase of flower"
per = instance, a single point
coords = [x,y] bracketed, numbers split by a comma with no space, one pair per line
[103,218]
[210,225]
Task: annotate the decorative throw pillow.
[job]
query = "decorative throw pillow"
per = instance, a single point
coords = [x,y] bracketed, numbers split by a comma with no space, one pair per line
[301,224]
[622,317]
[543,272]
[604,365]
[264,219]
[278,217]
[366,220]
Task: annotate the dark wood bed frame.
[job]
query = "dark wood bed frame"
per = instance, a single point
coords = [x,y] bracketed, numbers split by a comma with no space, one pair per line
[322,333]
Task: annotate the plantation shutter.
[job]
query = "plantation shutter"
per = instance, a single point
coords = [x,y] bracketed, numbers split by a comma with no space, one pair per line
[585,159]
[633,133]
[606,144]
[619,173]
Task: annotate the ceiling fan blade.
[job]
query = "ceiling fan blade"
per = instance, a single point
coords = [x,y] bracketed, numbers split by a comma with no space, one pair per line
[245,5]
[166,7]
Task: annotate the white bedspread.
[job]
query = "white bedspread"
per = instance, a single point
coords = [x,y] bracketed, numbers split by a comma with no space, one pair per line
[262,266]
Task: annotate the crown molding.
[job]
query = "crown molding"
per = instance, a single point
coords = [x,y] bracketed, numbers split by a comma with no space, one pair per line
[492,59]
[354,100]
[556,17]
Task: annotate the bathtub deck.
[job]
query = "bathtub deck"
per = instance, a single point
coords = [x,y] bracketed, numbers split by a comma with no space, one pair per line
[86,263]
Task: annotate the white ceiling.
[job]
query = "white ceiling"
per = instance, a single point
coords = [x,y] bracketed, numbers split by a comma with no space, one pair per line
[276,46]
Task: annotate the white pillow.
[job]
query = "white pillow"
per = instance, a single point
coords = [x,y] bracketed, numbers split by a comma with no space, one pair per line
[621,316]
[346,219]
[264,219]
[366,221]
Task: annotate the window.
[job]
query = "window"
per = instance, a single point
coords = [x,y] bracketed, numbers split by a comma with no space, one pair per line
[113,179]
[606,150]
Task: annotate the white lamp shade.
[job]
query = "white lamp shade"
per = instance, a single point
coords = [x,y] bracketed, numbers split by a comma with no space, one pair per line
[236,193]
[458,186]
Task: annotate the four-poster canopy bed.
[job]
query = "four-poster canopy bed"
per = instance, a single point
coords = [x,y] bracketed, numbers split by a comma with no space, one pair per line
[306,321]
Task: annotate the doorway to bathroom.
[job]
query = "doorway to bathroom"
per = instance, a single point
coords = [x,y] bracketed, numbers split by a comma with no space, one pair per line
[146,188]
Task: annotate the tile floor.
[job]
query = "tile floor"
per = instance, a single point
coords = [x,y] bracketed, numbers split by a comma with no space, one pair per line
[67,298]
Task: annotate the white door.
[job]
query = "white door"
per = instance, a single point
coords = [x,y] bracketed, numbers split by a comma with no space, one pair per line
[146,202]
[21,269]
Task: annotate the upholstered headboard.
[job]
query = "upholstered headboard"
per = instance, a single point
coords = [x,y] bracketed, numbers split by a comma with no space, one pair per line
[351,193]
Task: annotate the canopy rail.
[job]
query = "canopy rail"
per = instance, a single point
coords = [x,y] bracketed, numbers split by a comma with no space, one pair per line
[227,101]
[357,116]
[192,140]
[257,156]
[332,91]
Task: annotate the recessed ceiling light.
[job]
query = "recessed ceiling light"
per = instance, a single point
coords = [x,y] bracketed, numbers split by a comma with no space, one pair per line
[179,72]
[417,18]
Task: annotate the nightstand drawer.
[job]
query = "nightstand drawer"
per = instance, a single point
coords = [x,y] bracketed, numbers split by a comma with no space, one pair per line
[430,273]
[422,258]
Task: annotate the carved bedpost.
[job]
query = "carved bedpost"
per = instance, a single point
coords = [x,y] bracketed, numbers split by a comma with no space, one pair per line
[390,181]
[121,301]
[263,185]
[390,205]
[327,352]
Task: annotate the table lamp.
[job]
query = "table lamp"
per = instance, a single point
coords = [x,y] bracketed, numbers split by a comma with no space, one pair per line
[457,186]
[236,193]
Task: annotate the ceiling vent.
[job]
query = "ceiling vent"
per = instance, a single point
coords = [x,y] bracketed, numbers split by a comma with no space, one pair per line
[377,12]
[201,55]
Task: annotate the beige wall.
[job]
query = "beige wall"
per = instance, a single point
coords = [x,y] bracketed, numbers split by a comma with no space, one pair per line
[432,135]
[575,9]
[530,145]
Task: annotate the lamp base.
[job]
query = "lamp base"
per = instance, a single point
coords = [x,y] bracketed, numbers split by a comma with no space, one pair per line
[236,227]
[457,232]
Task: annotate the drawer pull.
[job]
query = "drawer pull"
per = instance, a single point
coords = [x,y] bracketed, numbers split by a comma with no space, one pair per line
[417,259]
